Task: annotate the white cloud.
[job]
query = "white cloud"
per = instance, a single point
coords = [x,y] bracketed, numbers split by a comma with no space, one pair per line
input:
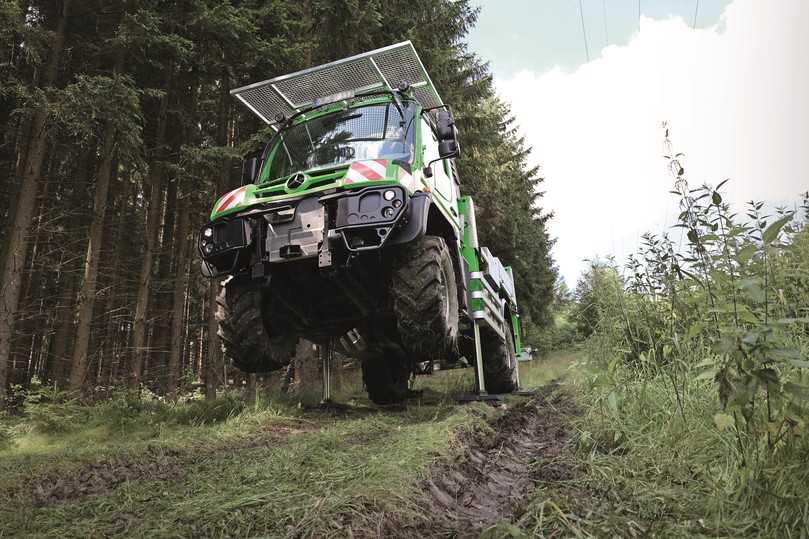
[736,97]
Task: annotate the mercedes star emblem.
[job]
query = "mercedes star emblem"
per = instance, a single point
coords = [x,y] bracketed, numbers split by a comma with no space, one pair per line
[295,181]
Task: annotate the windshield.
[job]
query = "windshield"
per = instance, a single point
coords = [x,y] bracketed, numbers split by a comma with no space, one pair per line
[370,132]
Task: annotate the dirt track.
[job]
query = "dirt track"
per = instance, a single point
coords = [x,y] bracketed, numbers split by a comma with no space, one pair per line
[497,465]
[500,466]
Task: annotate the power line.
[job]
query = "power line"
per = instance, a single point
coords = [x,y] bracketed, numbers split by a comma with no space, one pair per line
[584,32]
[696,10]
[638,15]
[604,14]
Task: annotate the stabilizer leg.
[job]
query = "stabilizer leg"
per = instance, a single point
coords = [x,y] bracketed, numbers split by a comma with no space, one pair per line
[326,353]
[479,379]
[480,393]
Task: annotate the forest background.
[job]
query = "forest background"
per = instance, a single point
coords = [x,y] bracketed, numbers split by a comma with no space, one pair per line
[118,133]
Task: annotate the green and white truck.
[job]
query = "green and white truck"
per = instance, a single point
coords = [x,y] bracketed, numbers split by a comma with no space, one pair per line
[350,230]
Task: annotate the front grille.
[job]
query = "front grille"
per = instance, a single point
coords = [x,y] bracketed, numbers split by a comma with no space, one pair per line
[317,178]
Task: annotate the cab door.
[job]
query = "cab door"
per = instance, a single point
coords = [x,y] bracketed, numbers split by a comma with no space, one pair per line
[444,183]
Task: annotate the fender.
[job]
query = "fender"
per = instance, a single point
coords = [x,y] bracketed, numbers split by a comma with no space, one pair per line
[417,217]
[422,216]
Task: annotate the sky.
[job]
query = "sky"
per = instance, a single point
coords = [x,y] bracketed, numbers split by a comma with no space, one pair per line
[733,92]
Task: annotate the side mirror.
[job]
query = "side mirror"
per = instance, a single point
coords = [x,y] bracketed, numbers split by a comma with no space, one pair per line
[445,125]
[448,148]
[249,168]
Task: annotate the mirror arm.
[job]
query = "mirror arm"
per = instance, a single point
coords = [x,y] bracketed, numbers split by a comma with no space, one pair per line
[428,170]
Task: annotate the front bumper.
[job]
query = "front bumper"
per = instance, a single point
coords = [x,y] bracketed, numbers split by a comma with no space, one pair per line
[329,228]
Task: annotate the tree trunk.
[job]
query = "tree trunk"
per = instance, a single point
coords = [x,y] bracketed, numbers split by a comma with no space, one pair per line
[29,322]
[115,281]
[213,361]
[251,389]
[155,210]
[160,311]
[178,307]
[17,244]
[145,282]
[87,292]
[65,309]
[308,374]
[215,365]
[57,369]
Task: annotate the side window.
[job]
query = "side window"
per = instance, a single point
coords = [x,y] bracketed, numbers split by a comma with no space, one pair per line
[442,179]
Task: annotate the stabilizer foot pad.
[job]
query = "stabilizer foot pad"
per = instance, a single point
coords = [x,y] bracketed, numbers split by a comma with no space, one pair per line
[480,398]
[330,405]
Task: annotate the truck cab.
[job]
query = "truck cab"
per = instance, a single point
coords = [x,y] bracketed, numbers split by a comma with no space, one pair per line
[370,155]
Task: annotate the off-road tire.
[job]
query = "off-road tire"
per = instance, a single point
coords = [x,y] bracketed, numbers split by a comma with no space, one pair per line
[386,378]
[425,299]
[244,334]
[499,360]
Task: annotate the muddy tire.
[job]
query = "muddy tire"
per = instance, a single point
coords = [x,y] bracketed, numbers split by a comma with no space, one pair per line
[244,334]
[425,299]
[499,360]
[386,378]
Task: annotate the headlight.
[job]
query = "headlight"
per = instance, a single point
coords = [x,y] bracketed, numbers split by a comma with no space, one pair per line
[389,194]
[221,236]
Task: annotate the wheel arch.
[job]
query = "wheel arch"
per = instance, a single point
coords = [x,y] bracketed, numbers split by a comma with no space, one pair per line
[426,218]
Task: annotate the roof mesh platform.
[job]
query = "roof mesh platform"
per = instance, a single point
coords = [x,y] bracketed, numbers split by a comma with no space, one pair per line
[385,68]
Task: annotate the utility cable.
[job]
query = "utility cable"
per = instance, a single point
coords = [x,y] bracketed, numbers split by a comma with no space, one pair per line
[584,32]
[639,15]
[604,15]
[696,10]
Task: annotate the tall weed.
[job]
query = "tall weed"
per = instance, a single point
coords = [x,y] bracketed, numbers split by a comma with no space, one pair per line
[724,300]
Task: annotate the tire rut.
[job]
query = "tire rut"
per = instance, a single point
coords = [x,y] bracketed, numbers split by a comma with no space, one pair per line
[497,468]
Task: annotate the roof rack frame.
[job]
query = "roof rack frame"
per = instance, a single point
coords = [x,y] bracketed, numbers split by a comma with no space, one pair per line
[385,68]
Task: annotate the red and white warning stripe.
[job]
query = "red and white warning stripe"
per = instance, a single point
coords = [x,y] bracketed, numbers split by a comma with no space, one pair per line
[363,171]
[232,199]
[406,179]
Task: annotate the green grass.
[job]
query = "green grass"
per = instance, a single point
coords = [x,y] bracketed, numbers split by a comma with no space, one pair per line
[309,483]
[540,371]
[220,469]
[277,469]
[639,469]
